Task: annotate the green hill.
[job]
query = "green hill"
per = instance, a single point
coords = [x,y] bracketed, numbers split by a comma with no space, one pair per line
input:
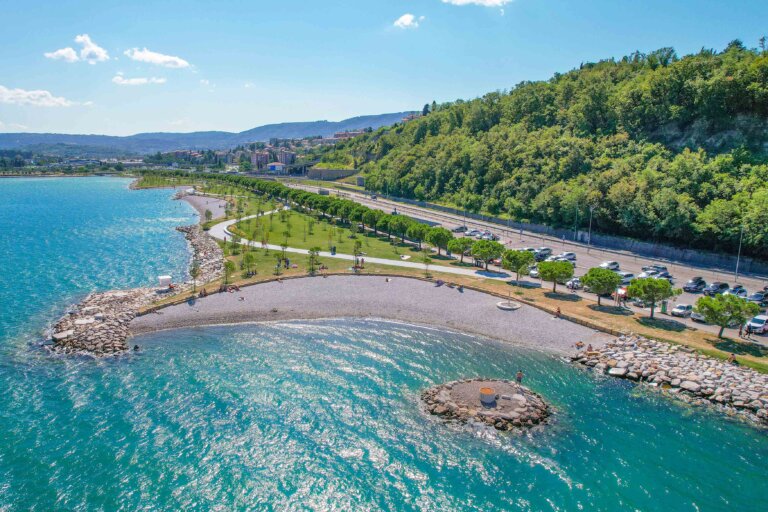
[664,148]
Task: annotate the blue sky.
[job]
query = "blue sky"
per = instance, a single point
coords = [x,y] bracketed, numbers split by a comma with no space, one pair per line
[232,65]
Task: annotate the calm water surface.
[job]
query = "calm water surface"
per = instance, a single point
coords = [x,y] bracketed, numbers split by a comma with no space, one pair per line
[320,415]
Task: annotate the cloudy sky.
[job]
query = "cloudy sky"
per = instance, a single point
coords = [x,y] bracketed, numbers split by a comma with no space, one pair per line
[117,67]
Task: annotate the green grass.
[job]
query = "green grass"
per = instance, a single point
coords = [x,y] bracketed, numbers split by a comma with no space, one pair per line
[324,235]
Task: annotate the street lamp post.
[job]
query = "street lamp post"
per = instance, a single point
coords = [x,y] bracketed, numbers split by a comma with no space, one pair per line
[738,257]
[589,237]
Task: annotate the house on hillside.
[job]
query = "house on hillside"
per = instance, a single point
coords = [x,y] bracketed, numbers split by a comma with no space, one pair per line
[276,167]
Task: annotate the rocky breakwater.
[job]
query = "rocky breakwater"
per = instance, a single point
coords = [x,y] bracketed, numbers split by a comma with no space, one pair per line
[206,251]
[99,324]
[683,373]
[500,403]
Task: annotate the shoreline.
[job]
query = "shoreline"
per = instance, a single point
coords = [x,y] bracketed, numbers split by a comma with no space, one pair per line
[400,299]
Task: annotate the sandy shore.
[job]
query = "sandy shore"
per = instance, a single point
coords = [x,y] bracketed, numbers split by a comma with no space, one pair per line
[202,203]
[401,299]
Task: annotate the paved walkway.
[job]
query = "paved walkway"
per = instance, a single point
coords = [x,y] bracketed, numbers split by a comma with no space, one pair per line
[221,232]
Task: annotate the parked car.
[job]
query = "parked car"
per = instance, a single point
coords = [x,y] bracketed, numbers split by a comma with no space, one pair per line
[695,285]
[567,256]
[738,291]
[758,324]
[682,310]
[560,258]
[645,274]
[716,288]
[760,298]
[626,277]
[473,232]
[529,249]
[610,265]
[657,268]
[698,317]
[460,229]
[542,253]
[665,275]
[574,284]
[533,271]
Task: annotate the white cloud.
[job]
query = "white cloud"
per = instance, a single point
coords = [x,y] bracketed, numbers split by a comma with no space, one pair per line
[66,54]
[38,98]
[249,85]
[119,79]
[407,21]
[484,3]
[168,61]
[90,52]
[12,126]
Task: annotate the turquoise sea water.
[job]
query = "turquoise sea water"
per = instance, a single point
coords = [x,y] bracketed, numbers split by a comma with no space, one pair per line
[321,415]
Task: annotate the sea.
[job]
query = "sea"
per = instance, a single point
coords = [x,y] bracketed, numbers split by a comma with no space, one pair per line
[305,415]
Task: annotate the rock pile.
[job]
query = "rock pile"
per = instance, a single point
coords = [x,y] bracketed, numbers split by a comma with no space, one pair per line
[99,324]
[206,251]
[510,406]
[683,373]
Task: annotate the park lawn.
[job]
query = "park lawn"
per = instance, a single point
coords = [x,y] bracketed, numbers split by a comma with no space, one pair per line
[293,228]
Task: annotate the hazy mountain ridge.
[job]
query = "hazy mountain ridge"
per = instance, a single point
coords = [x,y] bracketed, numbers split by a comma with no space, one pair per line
[144,143]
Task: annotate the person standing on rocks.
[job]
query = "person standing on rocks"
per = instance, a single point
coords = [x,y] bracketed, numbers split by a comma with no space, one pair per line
[519,377]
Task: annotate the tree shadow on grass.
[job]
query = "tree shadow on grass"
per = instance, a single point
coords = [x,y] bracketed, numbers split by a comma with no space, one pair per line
[524,284]
[611,310]
[739,347]
[568,297]
[661,323]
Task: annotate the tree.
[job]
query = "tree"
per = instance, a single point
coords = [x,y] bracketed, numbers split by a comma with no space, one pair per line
[460,246]
[651,290]
[556,272]
[426,260]
[417,231]
[425,110]
[439,237]
[724,310]
[517,261]
[229,268]
[248,261]
[194,272]
[314,253]
[208,215]
[371,219]
[601,281]
[487,250]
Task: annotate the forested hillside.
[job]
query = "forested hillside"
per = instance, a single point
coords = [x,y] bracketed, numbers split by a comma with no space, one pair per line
[663,148]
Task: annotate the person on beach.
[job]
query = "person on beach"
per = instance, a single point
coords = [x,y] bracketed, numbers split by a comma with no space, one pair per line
[741,330]
[519,377]
[589,348]
[732,358]
[579,345]
[749,331]
[558,313]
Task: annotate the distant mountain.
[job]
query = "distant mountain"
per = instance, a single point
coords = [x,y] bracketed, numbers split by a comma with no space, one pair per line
[145,143]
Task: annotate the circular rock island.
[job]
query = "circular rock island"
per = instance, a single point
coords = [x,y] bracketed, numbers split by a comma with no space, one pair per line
[500,403]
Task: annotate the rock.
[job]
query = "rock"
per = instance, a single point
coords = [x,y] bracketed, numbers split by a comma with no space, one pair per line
[617,372]
[691,386]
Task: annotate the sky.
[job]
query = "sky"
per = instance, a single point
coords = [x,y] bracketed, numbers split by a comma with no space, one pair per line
[118,68]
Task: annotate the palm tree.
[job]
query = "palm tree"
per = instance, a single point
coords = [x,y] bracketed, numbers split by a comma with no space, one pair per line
[194,272]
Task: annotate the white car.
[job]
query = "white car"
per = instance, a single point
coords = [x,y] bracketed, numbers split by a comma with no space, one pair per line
[626,277]
[647,274]
[758,324]
[473,232]
[567,256]
[682,310]
[610,265]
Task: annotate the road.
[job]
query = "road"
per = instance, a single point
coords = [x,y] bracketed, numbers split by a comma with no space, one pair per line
[587,257]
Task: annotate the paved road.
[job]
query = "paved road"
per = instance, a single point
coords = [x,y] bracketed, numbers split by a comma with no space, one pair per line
[587,257]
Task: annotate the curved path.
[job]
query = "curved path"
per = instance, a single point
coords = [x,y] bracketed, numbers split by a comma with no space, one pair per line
[375,297]
[221,232]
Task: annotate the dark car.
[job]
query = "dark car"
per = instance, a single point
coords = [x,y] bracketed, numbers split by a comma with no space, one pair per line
[542,253]
[665,275]
[460,229]
[716,289]
[695,285]
[759,298]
